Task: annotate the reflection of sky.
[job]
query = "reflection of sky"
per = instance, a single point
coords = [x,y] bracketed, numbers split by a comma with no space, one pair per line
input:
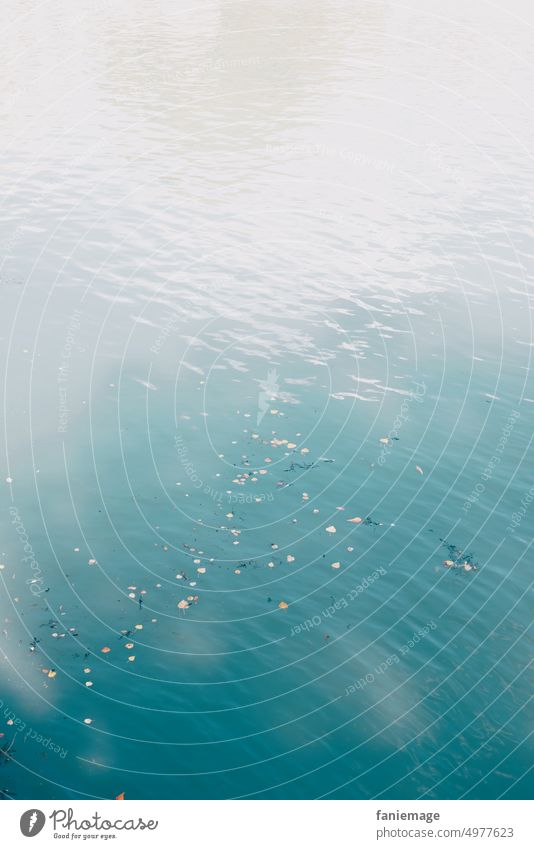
[339,191]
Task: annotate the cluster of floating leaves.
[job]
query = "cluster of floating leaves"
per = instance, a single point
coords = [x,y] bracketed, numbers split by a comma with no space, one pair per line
[456,559]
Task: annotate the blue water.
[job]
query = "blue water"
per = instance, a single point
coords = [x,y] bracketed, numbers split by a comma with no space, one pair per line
[265,270]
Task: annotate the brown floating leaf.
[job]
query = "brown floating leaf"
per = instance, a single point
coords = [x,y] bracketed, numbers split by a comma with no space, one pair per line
[356,520]
[120,796]
[105,650]
[283,605]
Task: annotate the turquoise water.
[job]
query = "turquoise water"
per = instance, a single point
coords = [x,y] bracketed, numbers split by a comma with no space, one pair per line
[265,270]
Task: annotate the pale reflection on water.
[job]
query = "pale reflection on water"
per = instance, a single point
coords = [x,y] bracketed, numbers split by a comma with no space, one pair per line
[333,200]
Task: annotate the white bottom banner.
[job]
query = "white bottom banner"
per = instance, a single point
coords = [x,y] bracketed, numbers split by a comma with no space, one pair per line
[263,823]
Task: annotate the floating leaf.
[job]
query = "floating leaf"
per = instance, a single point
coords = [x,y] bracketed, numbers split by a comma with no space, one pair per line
[290,558]
[52,673]
[283,605]
[331,529]
[419,469]
[105,650]
[120,797]
[356,520]
[88,721]
[336,565]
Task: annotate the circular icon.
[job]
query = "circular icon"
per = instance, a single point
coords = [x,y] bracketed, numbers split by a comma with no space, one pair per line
[32,822]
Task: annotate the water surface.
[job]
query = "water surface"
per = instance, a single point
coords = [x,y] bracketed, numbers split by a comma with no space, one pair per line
[266,268]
